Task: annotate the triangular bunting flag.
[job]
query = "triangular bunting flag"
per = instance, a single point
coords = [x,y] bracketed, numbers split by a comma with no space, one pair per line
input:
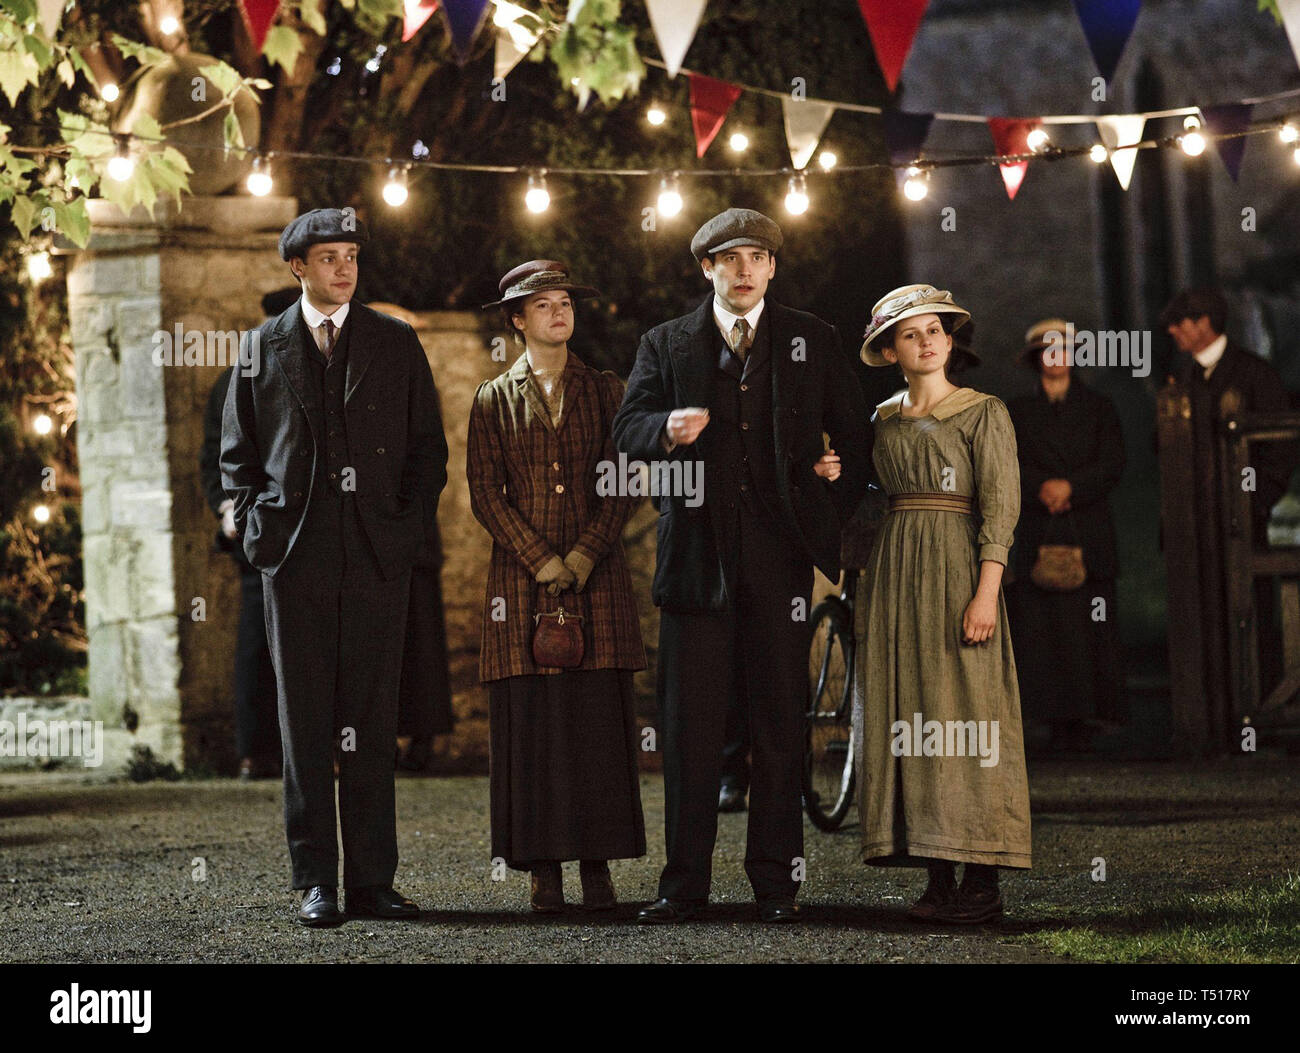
[904,135]
[892,25]
[710,101]
[415,14]
[674,23]
[1107,24]
[51,14]
[1230,119]
[804,123]
[1290,12]
[258,15]
[1010,136]
[1120,131]
[513,43]
[464,19]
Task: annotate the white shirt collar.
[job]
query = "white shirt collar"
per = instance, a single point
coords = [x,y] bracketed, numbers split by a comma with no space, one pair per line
[727,321]
[315,319]
[1208,357]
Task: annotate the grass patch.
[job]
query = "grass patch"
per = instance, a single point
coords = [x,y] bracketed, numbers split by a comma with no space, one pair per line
[1259,923]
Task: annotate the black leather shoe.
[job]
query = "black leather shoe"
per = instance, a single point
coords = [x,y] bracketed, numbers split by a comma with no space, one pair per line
[730,799]
[380,903]
[669,911]
[320,908]
[779,911]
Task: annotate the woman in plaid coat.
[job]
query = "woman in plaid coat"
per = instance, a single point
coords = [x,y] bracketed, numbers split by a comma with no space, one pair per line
[564,781]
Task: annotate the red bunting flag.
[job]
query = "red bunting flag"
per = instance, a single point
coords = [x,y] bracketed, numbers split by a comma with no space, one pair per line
[892,25]
[414,15]
[258,15]
[710,101]
[1010,136]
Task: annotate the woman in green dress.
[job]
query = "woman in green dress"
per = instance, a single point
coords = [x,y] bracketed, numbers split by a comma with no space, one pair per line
[941,770]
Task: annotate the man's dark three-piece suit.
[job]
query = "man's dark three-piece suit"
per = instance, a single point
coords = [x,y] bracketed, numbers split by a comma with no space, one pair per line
[734,575]
[335,466]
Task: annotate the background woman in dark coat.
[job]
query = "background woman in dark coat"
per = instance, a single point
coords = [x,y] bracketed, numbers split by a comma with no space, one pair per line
[1071,458]
[563,741]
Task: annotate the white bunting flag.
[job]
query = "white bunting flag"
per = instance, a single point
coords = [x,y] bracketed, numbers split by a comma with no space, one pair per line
[1123,129]
[674,23]
[1290,12]
[51,15]
[804,123]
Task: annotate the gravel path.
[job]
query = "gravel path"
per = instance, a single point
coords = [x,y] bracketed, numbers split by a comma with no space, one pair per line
[95,871]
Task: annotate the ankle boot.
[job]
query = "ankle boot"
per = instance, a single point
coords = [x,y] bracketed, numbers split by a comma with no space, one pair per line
[548,888]
[941,891]
[597,885]
[978,899]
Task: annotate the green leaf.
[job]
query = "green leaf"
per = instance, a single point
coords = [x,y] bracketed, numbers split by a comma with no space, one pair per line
[39,50]
[79,63]
[73,220]
[146,55]
[23,11]
[67,73]
[312,16]
[146,126]
[223,77]
[175,159]
[17,70]
[23,214]
[233,132]
[282,47]
[1271,7]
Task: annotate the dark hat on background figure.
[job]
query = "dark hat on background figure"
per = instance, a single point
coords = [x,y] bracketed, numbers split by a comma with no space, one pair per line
[538,276]
[736,226]
[318,226]
[1037,339]
[908,301]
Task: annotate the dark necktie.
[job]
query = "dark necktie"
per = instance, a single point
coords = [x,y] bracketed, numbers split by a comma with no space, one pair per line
[329,338]
[740,339]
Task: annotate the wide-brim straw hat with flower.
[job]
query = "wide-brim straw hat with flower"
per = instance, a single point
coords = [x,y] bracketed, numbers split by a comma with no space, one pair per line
[908,301]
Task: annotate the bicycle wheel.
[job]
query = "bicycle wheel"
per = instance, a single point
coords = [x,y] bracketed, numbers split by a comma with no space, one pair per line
[828,775]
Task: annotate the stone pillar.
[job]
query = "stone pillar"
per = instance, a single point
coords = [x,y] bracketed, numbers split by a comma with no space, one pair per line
[161,603]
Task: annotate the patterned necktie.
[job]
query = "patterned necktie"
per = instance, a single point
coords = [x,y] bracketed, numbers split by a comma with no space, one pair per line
[739,340]
[329,338]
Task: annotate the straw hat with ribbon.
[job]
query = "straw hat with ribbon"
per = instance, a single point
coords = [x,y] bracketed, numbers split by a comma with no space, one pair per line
[908,301]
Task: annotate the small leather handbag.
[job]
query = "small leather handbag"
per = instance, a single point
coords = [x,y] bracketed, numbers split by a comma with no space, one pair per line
[557,639]
[1059,568]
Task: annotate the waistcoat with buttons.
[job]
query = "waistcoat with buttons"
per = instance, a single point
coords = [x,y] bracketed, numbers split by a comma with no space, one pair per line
[740,468]
[326,411]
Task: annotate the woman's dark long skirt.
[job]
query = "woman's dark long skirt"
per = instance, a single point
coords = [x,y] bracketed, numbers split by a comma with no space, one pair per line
[1068,664]
[564,767]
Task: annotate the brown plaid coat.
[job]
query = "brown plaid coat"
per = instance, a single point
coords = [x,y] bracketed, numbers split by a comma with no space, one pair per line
[534,489]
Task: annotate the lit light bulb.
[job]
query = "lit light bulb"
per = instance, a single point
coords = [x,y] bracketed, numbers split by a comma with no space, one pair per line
[1037,140]
[739,142]
[1098,154]
[538,198]
[42,424]
[41,513]
[121,165]
[168,25]
[827,160]
[1288,133]
[259,179]
[915,186]
[1192,141]
[796,197]
[109,92]
[670,197]
[1296,156]
[395,190]
[655,116]
[38,269]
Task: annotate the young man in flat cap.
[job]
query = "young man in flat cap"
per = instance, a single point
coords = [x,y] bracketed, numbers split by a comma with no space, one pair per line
[747,387]
[335,457]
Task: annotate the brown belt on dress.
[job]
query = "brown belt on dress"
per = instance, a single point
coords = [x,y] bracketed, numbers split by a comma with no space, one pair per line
[929,503]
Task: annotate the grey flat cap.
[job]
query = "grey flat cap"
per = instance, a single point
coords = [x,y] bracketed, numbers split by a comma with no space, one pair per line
[318,226]
[736,226]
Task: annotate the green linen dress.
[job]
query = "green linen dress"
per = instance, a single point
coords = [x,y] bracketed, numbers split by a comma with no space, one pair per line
[954,803]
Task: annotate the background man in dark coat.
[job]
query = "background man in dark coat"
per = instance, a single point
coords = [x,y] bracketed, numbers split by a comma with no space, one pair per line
[746,388]
[257,731]
[334,454]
